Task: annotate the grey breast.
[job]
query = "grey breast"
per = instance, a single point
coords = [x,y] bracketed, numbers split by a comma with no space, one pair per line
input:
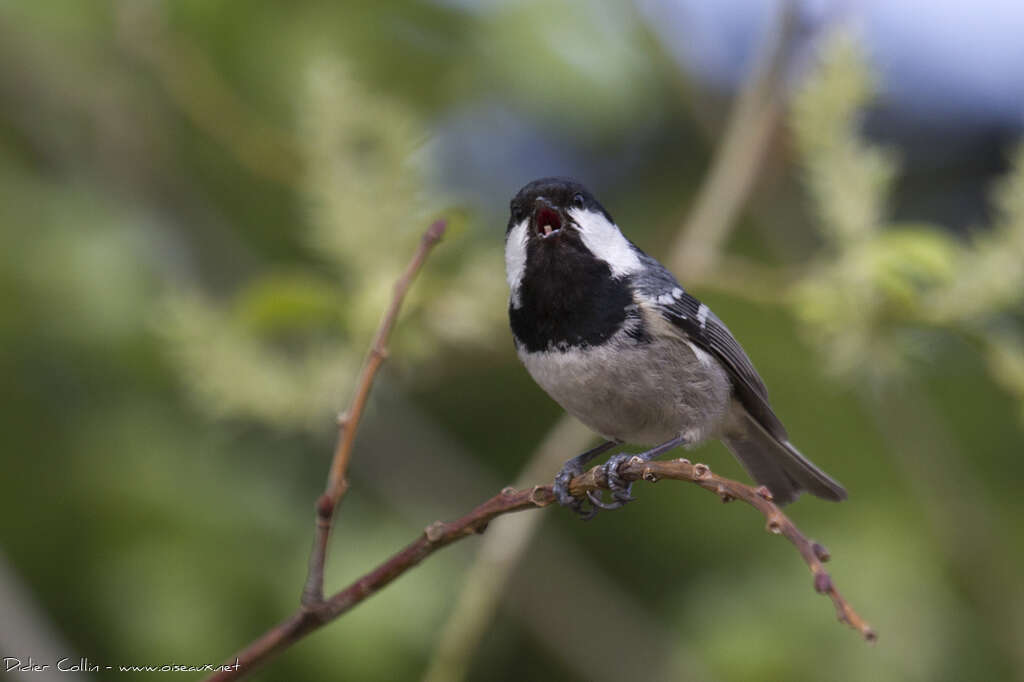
[637,393]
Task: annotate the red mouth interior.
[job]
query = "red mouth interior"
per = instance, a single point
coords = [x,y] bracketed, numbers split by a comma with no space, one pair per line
[547,221]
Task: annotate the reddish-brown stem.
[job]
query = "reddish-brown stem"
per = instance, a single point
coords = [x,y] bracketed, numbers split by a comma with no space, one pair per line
[814,554]
[348,422]
[439,534]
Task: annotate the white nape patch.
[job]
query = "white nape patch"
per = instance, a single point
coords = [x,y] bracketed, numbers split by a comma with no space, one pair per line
[677,293]
[702,316]
[605,241]
[515,259]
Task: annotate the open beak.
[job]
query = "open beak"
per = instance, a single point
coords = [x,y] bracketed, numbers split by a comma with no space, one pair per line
[547,220]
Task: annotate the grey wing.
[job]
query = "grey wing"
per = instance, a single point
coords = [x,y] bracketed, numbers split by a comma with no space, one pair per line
[761,445]
[701,326]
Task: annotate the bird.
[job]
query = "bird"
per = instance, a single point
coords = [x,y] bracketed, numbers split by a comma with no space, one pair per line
[610,334]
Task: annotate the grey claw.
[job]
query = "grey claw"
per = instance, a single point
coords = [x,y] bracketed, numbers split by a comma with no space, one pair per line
[595,499]
[619,487]
[623,496]
[561,488]
[566,499]
[573,468]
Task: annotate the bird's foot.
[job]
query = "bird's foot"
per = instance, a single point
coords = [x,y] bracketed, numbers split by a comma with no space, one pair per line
[571,470]
[619,487]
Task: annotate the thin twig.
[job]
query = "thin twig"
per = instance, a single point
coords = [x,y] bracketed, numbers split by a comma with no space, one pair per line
[439,534]
[348,422]
[814,555]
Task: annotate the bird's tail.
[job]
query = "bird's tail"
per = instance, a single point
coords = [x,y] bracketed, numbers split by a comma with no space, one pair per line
[778,465]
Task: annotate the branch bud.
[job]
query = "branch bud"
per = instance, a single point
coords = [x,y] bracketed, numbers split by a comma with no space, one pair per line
[822,583]
[325,507]
[434,531]
[435,231]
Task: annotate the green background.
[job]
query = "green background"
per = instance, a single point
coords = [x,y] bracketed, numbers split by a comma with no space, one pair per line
[204,205]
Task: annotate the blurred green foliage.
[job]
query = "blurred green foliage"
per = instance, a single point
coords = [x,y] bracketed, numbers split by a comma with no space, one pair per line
[204,208]
[879,285]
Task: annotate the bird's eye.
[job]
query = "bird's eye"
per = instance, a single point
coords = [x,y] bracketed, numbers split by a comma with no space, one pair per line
[579,201]
[517,212]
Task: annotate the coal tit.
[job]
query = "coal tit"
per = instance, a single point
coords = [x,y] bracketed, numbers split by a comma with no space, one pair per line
[611,335]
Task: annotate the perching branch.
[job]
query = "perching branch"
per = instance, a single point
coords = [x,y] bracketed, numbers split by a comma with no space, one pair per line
[316,611]
[760,498]
[348,422]
[439,534]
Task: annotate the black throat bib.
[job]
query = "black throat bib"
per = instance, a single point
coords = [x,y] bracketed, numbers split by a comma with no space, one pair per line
[568,298]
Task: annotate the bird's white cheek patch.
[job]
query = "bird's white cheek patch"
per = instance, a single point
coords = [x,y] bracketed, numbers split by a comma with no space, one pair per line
[605,241]
[515,259]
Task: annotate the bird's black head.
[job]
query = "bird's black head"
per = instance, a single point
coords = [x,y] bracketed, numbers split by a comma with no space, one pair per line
[567,265]
[557,229]
[546,204]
